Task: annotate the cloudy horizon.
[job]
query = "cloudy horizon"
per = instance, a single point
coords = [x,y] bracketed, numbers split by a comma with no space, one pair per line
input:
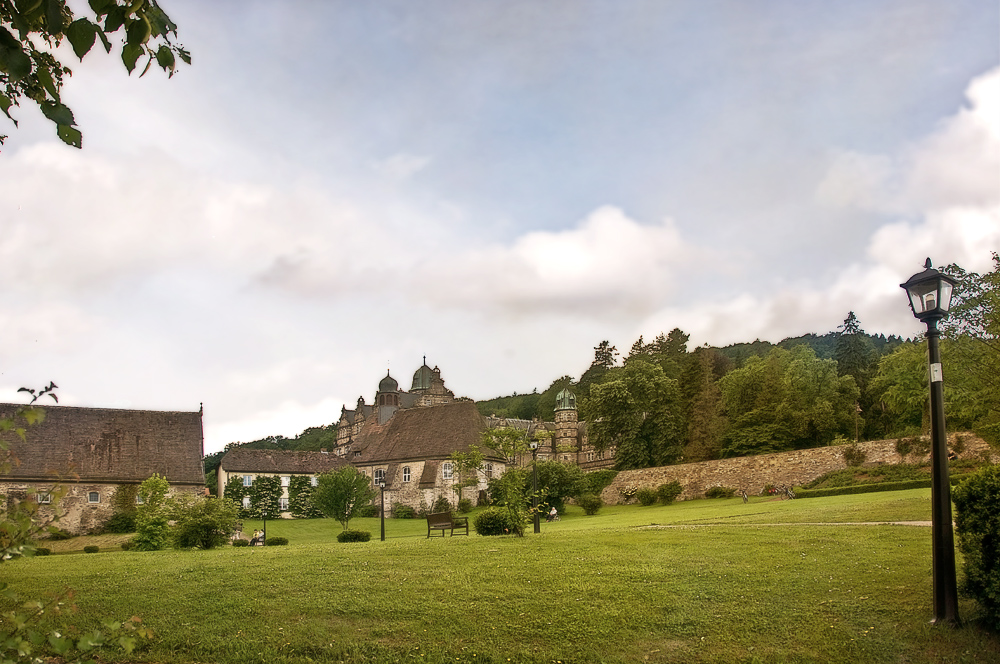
[497,186]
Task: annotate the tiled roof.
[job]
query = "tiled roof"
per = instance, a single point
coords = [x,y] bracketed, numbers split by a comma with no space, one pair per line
[423,433]
[241,460]
[109,445]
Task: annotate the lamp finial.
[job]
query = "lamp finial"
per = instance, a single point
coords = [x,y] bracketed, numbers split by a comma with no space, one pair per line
[927,263]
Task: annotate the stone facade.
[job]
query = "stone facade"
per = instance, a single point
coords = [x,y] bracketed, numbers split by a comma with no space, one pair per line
[93,451]
[793,468]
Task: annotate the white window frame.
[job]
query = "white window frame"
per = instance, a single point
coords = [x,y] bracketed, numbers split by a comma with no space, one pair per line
[44,498]
[90,497]
[285,481]
[378,476]
[139,500]
[248,480]
[488,470]
[313,481]
[447,470]
[406,473]
[246,502]
[283,504]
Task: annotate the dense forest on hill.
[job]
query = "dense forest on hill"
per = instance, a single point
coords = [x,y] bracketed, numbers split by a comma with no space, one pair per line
[662,403]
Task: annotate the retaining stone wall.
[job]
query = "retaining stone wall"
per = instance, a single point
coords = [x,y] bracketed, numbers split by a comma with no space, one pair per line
[753,473]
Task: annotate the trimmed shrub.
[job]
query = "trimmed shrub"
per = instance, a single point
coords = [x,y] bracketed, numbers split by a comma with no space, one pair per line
[60,534]
[91,548]
[241,542]
[667,493]
[493,521]
[646,496]
[353,536]
[871,487]
[977,522]
[464,505]
[366,511]
[401,511]
[590,503]
[43,551]
[441,505]
[127,545]
[854,456]
[281,541]
[720,492]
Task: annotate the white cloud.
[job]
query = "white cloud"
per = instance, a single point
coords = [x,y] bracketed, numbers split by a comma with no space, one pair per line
[401,166]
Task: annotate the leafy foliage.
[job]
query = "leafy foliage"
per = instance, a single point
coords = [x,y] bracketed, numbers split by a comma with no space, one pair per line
[339,493]
[508,493]
[720,492]
[597,481]
[508,442]
[668,493]
[646,496]
[977,522]
[153,515]
[353,536]
[591,503]
[265,497]
[558,481]
[32,31]
[204,522]
[300,498]
[494,521]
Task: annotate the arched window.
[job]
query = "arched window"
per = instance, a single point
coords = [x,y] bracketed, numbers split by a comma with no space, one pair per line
[446,470]
[406,473]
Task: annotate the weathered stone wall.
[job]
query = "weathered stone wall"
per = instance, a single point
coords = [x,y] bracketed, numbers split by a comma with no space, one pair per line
[753,473]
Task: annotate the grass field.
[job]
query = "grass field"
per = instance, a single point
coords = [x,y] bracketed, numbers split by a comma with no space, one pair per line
[698,581]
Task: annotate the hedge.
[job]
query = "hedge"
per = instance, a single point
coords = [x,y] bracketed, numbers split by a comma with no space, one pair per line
[871,487]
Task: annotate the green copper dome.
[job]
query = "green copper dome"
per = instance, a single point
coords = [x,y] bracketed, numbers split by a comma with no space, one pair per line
[565,400]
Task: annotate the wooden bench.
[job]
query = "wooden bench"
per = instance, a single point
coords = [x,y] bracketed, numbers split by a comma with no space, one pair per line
[445,521]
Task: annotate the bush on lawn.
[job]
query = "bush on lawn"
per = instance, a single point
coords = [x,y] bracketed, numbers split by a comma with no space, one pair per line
[464,505]
[668,492]
[42,551]
[590,503]
[278,541]
[720,492]
[91,548]
[493,521]
[977,522]
[353,536]
[241,542]
[401,511]
[646,496]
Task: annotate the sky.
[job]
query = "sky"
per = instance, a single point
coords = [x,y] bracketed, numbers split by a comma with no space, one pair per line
[334,190]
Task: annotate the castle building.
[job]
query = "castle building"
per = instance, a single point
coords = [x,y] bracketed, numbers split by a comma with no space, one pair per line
[405,439]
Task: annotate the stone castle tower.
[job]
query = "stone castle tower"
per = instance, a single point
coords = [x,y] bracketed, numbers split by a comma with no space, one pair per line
[566,435]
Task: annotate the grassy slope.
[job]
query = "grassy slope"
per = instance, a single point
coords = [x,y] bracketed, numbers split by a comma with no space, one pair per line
[606,588]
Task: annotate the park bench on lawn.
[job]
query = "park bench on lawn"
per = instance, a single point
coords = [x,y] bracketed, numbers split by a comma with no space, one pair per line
[445,521]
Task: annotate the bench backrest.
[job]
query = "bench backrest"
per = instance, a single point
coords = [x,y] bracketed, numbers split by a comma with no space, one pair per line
[439,519]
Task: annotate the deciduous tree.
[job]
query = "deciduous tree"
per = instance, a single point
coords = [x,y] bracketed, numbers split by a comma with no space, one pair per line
[32,30]
[339,493]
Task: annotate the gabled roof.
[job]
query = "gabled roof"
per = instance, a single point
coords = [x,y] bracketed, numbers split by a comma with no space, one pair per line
[421,433]
[240,460]
[109,445]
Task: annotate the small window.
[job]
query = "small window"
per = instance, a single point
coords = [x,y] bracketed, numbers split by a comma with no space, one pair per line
[488,469]
[406,473]
[379,476]
[246,502]
[357,454]
[283,504]
[139,500]
[590,456]
[285,479]
[313,481]
[94,497]
[446,470]
[247,480]
[44,498]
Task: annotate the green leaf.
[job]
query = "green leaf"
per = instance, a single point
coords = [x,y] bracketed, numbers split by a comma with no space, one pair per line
[70,136]
[104,40]
[58,113]
[138,31]
[14,61]
[5,104]
[115,19]
[45,78]
[54,16]
[100,7]
[165,57]
[131,53]
[81,34]
[184,55]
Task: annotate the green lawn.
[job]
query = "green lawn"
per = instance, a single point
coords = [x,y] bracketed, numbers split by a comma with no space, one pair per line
[608,588]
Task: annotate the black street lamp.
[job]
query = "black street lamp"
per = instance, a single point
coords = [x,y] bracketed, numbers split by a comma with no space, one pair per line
[263,515]
[930,297]
[534,484]
[382,510]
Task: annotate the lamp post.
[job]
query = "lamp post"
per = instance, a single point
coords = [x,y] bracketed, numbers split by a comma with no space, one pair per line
[263,515]
[534,484]
[381,512]
[930,297]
